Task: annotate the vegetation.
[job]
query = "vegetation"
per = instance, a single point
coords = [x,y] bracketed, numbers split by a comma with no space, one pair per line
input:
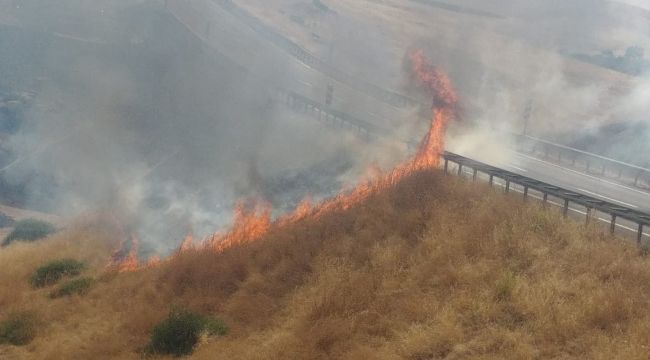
[404,275]
[78,286]
[18,329]
[52,272]
[29,230]
[180,332]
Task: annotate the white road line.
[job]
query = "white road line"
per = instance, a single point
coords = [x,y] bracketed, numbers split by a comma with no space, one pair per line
[517,167]
[586,175]
[306,83]
[607,198]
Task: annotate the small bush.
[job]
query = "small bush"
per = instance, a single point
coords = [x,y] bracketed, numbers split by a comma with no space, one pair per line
[76,286]
[29,230]
[53,272]
[215,326]
[180,332]
[18,329]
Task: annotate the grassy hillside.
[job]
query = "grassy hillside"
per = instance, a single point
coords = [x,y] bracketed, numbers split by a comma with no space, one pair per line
[435,268]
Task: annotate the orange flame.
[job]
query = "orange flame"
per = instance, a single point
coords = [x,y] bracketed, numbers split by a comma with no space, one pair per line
[187,244]
[251,225]
[444,103]
[123,261]
[253,222]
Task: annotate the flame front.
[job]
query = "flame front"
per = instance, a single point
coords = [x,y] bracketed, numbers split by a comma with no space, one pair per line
[252,225]
[253,221]
[124,260]
[444,102]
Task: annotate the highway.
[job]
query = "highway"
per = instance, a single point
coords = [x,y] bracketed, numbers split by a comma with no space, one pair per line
[231,37]
[571,179]
[234,39]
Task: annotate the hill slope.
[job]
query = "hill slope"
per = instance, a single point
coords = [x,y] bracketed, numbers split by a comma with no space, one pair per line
[434,268]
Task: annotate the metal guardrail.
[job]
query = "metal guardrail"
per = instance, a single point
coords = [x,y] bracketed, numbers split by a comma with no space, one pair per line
[590,163]
[324,113]
[639,175]
[590,203]
[331,116]
[390,97]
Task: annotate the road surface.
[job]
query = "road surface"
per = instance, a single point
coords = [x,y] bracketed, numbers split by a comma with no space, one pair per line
[234,39]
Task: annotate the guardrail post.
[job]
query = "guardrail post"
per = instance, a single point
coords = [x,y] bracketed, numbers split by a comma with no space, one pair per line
[612,226]
[525,192]
[446,165]
[639,235]
[507,185]
[545,198]
[491,179]
[460,169]
[588,215]
[565,210]
[475,174]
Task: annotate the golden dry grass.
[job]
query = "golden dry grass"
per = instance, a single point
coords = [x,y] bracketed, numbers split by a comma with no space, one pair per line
[435,268]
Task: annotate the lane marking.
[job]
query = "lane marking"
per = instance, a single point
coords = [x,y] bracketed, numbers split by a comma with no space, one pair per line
[517,167]
[306,83]
[608,198]
[585,175]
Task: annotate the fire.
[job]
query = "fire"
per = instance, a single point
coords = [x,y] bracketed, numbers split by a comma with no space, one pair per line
[253,221]
[187,244]
[124,260]
[444,103]
[250,223]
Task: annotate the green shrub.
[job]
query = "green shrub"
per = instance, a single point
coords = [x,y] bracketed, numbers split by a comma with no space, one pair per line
[180,332]
[71,287]
[18,329]
[53,272]
[29,230]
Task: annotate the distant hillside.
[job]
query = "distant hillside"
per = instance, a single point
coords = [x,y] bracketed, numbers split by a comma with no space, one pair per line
[434,268]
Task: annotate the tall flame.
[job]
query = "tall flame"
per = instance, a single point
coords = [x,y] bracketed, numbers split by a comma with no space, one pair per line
[253,221]
[444,103]
[254,224]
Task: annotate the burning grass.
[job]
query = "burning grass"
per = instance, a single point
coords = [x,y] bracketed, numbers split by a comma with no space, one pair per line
[411,265]
[433,267]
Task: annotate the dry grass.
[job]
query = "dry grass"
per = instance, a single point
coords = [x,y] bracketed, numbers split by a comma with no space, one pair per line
[433,269]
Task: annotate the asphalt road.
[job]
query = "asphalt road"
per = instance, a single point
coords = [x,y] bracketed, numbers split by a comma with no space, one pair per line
[234,39]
